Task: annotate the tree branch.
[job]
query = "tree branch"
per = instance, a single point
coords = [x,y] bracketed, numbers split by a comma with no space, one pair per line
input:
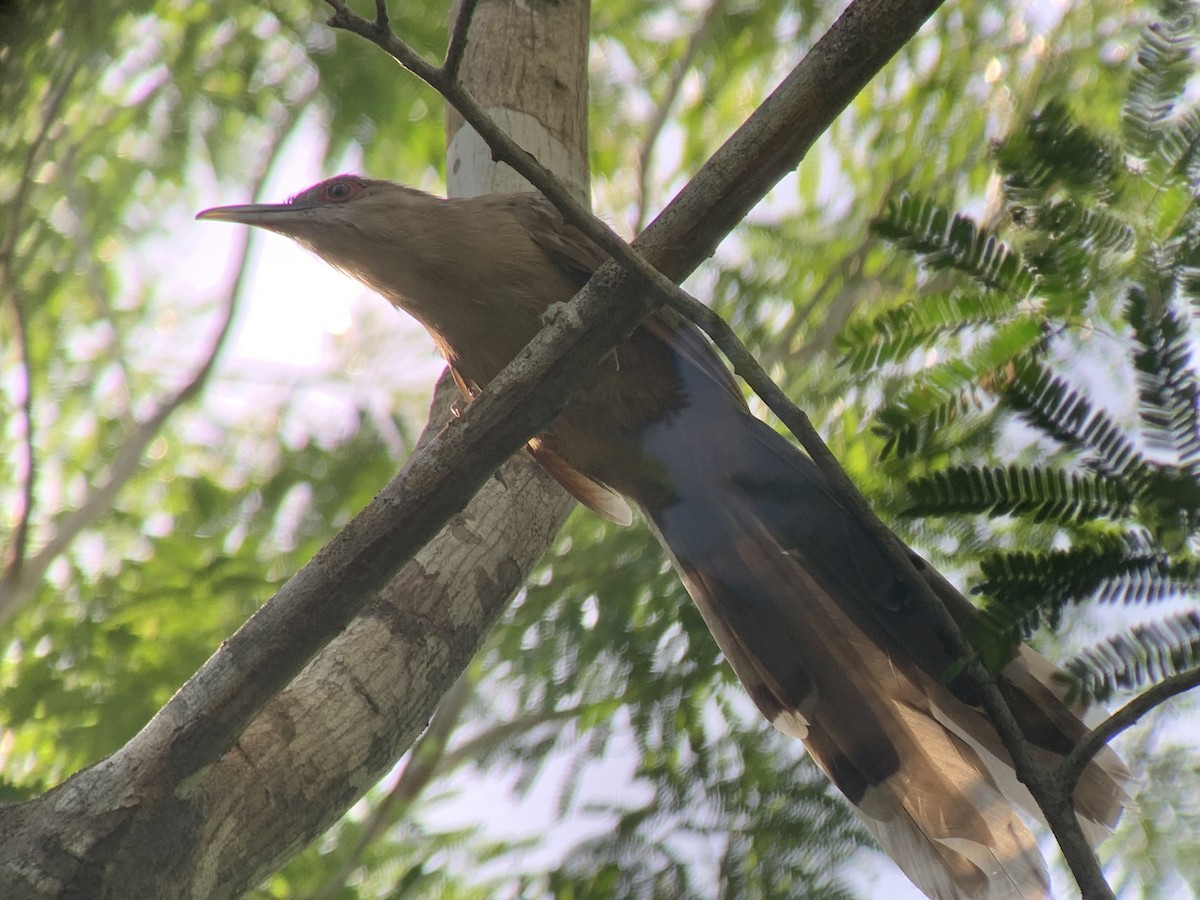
[1071,768]
[14,563]
[17,590]
[699,36]
[456,47]
[768,145]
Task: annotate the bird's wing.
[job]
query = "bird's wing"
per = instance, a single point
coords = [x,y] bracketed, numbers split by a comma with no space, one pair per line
[569,247]
[573,251]
[597,497]
[577,256]
[688,343]
[821,630]
[593,494]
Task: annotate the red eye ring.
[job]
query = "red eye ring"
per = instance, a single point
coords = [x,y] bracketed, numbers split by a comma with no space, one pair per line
[341,190]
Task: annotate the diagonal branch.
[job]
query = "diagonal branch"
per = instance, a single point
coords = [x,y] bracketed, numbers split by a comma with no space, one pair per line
[658,120]
[19,585]
[766,147]
[456,48]
[1071,768]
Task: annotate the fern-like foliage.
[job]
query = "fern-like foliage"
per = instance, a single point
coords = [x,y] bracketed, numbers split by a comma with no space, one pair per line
[949,241]
[1164,65]
[1044,493]
[1166,382]
[1101,252]
[1145,655]
[1054,153]
[1177,151]
[948,390]
[898,332]
[1063,412]
[1030,588]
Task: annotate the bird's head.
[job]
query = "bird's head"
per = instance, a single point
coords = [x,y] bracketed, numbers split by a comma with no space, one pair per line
[467,269]
[349,221]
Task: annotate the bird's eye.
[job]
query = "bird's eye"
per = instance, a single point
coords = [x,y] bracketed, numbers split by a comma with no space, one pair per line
[339,191]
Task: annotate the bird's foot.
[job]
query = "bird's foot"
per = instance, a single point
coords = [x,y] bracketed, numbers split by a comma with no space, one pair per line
[551,313]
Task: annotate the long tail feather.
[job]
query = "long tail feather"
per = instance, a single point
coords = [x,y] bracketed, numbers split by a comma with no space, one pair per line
[822,633]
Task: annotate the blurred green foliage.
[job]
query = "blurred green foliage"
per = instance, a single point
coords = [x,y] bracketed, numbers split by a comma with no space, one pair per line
[123,118]
[1099,282]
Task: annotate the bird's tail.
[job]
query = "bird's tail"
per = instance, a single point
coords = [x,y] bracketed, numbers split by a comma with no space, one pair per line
[808,611]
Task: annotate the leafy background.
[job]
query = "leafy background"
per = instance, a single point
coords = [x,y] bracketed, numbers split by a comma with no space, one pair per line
[189,451]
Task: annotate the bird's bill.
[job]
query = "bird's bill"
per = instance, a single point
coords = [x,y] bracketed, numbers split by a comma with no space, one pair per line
[262,214]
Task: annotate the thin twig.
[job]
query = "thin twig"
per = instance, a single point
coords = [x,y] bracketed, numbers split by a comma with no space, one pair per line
[15,561]
[382,21]
[94,271]
[657,121]
[20,538]
[345,18]
[1054,801]
[1071,768]
[16,206]
[456,47]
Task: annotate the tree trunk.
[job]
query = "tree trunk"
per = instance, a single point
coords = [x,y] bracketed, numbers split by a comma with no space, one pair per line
[136,824]
[236,773]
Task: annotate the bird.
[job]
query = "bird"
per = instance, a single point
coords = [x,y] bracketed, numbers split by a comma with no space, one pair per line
[800,596]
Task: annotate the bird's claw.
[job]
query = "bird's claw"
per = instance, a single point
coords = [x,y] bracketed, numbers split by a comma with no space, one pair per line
[551,313]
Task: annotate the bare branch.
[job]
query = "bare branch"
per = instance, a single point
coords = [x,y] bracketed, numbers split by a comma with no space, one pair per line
[345,18]
[654,130]
[767,146]
[459,35]
[1071,768]
[424,764]
[382,21]
[16,206]
[15,562]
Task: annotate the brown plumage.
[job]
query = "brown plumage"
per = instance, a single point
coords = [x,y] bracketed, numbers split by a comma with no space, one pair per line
[799,596]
